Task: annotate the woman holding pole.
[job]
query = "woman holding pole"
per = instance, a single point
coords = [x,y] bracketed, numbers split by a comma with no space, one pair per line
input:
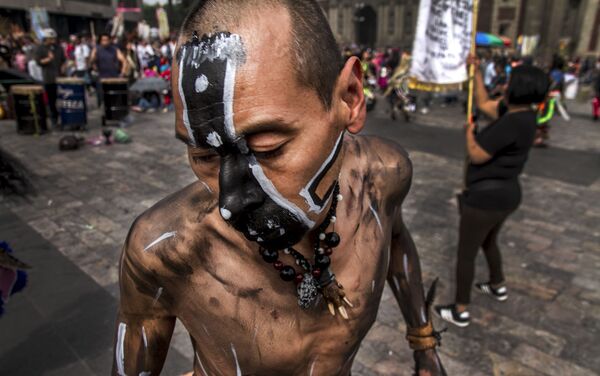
[496,156]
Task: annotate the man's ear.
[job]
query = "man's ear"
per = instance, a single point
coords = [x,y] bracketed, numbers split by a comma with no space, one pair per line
[350,96]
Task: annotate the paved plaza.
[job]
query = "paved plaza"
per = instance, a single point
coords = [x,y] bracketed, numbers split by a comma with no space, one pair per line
[73,230]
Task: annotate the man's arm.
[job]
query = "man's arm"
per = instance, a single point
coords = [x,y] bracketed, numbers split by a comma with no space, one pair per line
[404,277]
[477,155]
[43,59]
[92,59]
[123,61]
[144,324]
[482,99]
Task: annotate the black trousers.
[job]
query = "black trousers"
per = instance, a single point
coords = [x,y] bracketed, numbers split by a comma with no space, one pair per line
[478,228]
[51,91]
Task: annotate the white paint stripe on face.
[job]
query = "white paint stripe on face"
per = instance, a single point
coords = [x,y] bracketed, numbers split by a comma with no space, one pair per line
[120,350]
[186,117]
[312,206]
[164,236]
[201,365]
[268,187]
[144,337]
[228,92]
[238,370]
[376,217]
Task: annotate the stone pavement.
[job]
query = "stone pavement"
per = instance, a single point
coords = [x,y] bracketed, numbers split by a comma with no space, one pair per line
[62,320]
[550,325]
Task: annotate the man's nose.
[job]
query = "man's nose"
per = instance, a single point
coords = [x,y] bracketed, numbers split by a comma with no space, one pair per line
[239,191]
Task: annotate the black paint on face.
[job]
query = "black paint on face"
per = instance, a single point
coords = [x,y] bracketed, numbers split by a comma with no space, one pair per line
[248,200]
[314,185]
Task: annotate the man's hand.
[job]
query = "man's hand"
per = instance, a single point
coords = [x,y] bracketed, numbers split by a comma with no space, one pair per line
[470,127]
[473,60]
[427,363]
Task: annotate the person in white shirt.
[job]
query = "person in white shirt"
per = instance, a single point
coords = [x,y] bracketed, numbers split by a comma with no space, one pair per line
[489,74]
[82,55]
[145,53]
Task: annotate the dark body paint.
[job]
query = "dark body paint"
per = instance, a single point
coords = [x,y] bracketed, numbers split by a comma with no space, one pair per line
[253,212]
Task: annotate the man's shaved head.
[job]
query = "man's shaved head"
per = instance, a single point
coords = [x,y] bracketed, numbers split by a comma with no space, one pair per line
[314,52]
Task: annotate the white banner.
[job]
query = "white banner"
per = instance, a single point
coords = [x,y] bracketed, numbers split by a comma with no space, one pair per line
[442,42]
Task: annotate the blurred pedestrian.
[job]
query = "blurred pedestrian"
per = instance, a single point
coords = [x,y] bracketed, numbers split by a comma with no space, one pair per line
[596,84]
[20,61]
[497,156]
[50,57]
[82,54]
[109,62]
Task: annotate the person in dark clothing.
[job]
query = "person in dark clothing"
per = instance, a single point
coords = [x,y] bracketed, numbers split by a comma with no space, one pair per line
[596,99]
[497,157]
[50,56]
[109,62]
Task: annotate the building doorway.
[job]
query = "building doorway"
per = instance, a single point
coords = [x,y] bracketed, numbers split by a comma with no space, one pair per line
[365,19]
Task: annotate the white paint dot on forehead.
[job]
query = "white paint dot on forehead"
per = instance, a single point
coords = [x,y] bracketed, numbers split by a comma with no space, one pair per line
[201,84]
[214,140]
[226,214]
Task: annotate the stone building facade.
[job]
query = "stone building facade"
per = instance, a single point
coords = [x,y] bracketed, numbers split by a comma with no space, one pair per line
[571,26]
[568,26]
[376,23]
[69,16]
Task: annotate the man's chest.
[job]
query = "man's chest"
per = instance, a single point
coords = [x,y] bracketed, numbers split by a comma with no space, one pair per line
[243,305]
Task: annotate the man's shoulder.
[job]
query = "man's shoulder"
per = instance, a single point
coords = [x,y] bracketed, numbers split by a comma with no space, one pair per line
[381,156]
[161,229]
[385,165]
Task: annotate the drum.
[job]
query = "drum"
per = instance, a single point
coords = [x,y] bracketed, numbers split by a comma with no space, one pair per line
[71,101]
[29,109]
[116,99]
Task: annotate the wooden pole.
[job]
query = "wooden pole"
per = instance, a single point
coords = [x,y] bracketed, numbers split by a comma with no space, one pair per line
[471,84]
[472,67]
[93,32]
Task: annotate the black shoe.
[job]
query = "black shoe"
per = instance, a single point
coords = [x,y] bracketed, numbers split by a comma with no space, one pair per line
[449,313]
[500,294]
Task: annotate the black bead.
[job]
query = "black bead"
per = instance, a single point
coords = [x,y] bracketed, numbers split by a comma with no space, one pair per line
[270,256]
[332,239]
[288,274]
[322,261]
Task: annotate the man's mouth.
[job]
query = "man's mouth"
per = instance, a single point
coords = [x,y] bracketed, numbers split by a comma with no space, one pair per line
[264,235]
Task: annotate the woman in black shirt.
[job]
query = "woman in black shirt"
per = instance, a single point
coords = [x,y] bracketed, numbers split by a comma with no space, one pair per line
[497,156]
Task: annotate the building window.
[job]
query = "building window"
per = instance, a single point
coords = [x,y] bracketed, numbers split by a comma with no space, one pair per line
[340,20]
[503,29]
[408,20]
[392,20]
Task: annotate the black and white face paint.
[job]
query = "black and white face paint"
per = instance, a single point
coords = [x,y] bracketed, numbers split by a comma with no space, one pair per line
[248,199]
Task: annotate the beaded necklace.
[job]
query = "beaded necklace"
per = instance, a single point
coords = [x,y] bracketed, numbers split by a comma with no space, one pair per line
[314,278]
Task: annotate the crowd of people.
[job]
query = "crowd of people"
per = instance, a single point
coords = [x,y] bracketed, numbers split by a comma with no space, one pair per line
[386,69]
[90,59]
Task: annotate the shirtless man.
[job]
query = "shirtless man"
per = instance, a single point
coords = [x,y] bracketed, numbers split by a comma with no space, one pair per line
[276,259]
